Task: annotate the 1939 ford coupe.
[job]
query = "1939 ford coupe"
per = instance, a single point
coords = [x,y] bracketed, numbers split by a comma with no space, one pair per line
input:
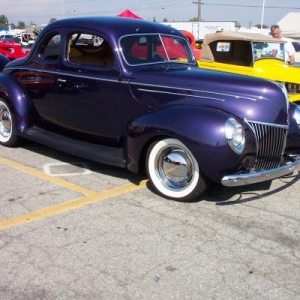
[250,54]
[129,93]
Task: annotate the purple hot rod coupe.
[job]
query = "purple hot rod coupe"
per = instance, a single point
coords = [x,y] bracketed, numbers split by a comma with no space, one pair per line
[129,93]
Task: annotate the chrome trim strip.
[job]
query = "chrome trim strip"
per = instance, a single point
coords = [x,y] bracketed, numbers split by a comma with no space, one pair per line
[84,76]
[260,176]
[18,68]
[190,90]
[88,77]
[267,124]
[181,94]
[59,73]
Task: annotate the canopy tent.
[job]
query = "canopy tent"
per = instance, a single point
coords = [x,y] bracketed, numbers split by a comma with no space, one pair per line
[128,14]
[290,25]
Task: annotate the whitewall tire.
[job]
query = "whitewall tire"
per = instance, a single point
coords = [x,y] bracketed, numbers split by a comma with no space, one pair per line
[173,170]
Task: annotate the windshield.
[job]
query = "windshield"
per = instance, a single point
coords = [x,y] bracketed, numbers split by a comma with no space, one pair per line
[296,46]
[153,48]
[262,50]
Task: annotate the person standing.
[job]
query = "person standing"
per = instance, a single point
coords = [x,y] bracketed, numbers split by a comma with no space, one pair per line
[289,48]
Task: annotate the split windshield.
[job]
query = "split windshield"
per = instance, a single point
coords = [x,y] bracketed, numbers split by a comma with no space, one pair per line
[262,50]
[153,48]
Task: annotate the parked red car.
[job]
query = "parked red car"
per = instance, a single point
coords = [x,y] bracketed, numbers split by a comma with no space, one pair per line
[12,50]
[192,40]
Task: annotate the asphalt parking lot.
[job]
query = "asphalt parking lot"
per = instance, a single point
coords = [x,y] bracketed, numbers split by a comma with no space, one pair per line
[74,229]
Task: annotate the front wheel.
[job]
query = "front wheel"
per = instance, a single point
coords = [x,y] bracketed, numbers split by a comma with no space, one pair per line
[8,136]
[173,171]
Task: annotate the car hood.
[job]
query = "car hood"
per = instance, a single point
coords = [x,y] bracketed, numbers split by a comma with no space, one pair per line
[268,68]
[276,70]
[247,97]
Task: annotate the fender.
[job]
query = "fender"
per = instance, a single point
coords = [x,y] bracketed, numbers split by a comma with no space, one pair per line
[18,100]
[194,126]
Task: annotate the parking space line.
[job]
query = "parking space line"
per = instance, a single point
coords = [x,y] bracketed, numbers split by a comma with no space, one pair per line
[91,196]
[69,205]
[37,173]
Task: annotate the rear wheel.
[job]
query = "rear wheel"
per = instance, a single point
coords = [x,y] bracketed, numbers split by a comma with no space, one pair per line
[8,135]
[173,171]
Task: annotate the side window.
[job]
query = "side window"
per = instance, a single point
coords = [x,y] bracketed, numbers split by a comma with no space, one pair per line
[50,50]
[89,49]
[135,49]
[222,51]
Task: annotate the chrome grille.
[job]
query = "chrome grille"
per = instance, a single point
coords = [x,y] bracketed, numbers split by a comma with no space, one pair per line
[293,88]
[270,141]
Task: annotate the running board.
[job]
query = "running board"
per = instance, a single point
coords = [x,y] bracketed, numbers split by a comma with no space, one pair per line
[103,154]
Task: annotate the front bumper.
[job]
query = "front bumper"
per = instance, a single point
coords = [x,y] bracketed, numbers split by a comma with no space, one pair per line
[261,176]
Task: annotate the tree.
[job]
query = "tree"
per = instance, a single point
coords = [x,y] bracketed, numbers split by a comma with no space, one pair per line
[52,20]
[258,26]
[3,21]
[21,25]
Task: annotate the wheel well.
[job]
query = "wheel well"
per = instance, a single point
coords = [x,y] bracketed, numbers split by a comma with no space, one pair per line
[142,160]
[3,95]
[4,98]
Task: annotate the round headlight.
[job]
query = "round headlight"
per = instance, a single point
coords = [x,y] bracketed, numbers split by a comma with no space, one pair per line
[235,135]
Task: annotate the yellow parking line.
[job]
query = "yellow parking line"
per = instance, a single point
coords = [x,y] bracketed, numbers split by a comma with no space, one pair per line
[91,196]
[37,173]
[69,205]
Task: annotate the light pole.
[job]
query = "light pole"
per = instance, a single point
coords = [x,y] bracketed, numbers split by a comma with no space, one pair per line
[199,9]
[262,15]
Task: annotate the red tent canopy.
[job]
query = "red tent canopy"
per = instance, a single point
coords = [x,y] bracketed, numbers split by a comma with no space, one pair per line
[128,14]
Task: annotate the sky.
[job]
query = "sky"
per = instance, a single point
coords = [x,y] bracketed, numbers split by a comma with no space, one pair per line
[246,13]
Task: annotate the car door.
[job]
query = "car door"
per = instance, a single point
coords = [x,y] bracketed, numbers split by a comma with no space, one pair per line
[87,102]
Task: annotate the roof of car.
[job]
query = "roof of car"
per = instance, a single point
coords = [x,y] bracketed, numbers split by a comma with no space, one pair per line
[117,25]
[236,35]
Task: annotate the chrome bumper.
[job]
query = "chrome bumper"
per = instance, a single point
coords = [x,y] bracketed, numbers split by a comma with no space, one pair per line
[260,176]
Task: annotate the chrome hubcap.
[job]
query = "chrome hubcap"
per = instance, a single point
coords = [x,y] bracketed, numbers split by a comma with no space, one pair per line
[175,168]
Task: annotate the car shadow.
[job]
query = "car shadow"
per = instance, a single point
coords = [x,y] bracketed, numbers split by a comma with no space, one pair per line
[73,160]
[223,195]
[219,194]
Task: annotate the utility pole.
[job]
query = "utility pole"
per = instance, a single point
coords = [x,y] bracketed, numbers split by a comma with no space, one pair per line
[262,15]
[199,9]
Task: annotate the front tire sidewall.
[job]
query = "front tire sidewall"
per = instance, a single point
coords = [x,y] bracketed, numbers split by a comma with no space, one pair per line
[187,193]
